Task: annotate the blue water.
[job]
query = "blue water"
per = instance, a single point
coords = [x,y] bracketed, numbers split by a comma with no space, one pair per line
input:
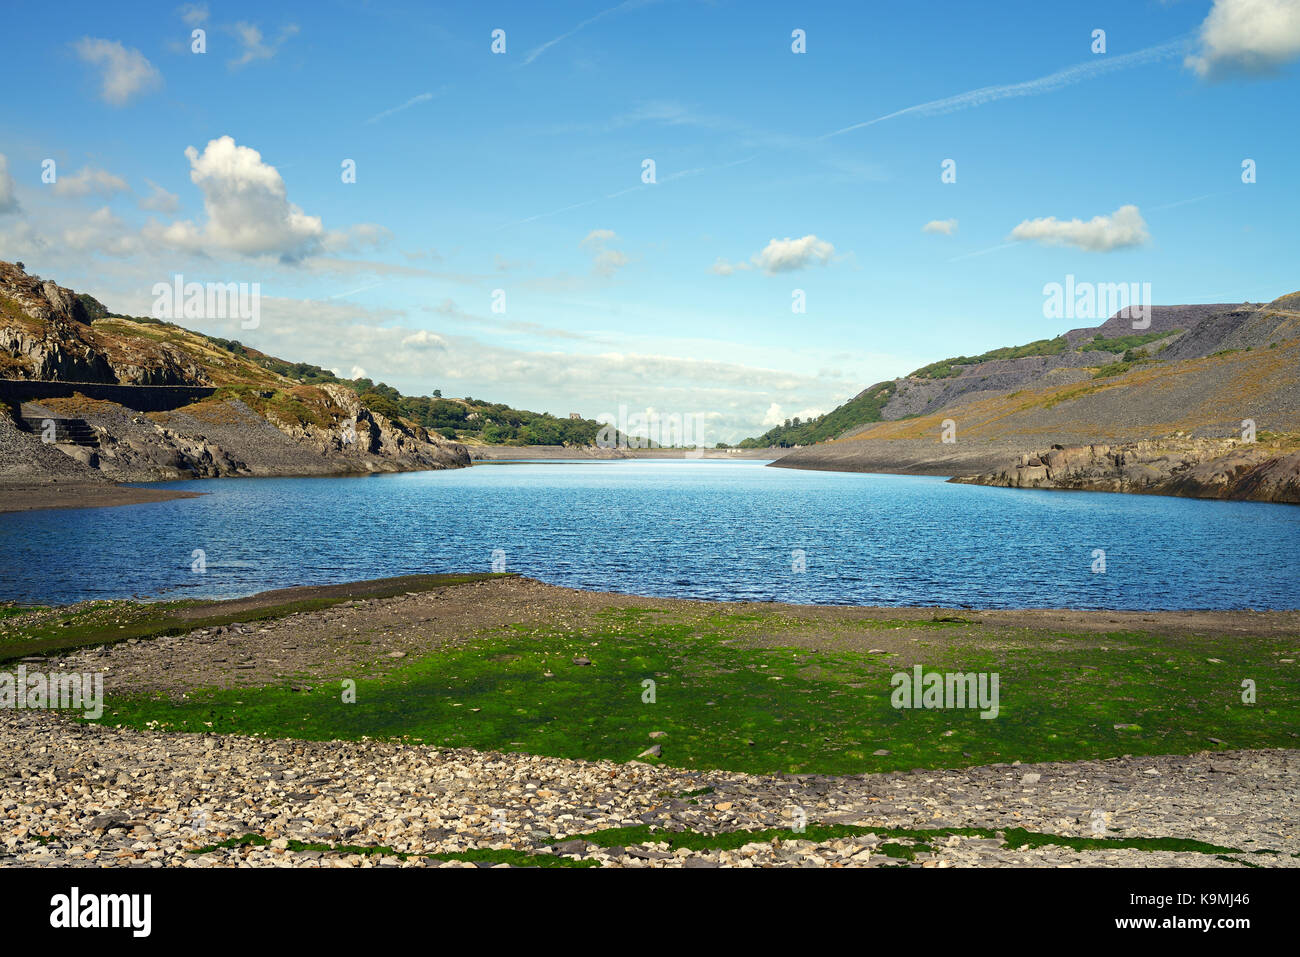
[689,529]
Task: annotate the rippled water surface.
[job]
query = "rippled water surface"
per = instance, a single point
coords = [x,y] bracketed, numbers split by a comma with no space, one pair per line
[690,529]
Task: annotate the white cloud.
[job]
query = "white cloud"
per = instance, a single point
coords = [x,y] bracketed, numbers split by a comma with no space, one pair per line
[90,180]
[8,199]
[774,415]
[721,267]
[1122,228]
[125,73]
[1248,36]
[606,261]
[160,200]
[426,339]
[255,46]
[787,255]
[102,232]
[942,227]
[194,14]
[247,205]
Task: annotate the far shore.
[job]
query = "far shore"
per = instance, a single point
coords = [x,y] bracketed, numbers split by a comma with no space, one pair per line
[498,452]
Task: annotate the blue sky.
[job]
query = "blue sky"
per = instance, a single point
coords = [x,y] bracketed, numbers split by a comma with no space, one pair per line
[522,172]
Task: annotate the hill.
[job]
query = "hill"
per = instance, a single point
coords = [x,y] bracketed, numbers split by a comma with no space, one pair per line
[1230,366]
[247,413]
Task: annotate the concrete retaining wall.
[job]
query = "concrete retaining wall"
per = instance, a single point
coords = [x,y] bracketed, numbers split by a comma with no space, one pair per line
[142,398]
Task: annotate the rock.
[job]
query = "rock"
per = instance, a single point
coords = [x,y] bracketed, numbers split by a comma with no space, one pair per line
[582,662]
[109,820]
[653,751]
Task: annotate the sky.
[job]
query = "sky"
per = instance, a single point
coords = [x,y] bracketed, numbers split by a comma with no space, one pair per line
[912,179]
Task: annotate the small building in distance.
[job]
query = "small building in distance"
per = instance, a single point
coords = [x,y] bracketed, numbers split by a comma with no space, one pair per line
[575,415]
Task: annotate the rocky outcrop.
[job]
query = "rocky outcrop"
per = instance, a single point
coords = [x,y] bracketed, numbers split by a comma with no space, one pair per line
[226,438]
[46,333]
[264,424]
[1193,468]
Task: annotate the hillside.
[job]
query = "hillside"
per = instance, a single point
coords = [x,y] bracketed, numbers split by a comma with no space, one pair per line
[1072,356]
[255,414]
[1084,388]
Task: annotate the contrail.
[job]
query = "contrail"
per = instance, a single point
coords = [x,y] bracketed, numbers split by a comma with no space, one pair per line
[1184,202]
[626,5]
[1043,84]
[352,292]
[422,98]
[631,189]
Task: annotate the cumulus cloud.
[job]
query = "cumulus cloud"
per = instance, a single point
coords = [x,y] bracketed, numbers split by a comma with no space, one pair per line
[787,255]
[1247,36]
[90,180]
[426,340]
[774,415]
[781,255]
[247,206]
[8,199]
[605,260]
[942,227]
[123,73]
[1122,228]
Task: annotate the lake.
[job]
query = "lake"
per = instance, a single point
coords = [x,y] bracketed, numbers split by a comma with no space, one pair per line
[690,529]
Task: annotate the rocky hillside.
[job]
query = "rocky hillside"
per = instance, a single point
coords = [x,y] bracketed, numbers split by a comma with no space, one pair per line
[1230,367]
[1079,355]
[258,421]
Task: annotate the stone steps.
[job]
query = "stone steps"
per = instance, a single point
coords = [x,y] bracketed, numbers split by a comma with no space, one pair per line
[67,431]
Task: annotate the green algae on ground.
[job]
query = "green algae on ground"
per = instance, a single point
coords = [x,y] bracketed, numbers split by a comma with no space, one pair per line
[728,694]
[491,855]
[921,839]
